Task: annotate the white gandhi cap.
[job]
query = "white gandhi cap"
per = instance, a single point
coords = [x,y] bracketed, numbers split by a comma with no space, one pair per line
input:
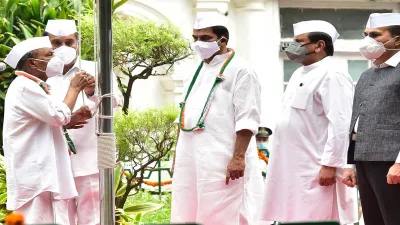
[315,26]
[61,28]
[210,20]
[377,20]
[20,49]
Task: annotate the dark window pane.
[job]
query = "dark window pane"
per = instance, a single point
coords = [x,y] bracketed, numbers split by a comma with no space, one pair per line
[356,68]
[350,23]
[288,69]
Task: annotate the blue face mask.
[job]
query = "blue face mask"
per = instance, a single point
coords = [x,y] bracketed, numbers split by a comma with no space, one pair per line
[262,145]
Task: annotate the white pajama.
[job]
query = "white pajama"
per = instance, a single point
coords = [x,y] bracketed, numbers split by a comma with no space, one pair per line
[39,210]
[85,208]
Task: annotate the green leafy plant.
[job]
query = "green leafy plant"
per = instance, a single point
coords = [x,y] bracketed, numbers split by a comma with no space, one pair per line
[161,215]
[3,190]
[143,138]
[130,213]
[22,19]
[141,49]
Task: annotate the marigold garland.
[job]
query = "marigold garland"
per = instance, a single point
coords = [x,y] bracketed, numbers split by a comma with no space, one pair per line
[155,183]
[15,219]
[262,156]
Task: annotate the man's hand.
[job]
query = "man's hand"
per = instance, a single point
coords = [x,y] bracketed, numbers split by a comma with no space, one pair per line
[77,125]
[235,168]
[393,176]
[89,90]
[349,177]
[79,118]
[81,80]
[327,176]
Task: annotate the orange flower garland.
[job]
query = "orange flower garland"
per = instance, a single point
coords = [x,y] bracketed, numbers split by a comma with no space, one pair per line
[15,219]
[262,156]
[155,183]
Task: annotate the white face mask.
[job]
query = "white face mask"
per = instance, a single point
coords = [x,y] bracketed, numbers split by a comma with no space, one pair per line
[372,49]
[67,54]
[55,67]
[206,49]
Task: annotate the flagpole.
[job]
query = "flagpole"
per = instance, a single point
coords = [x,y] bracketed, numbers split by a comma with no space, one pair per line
[107,194]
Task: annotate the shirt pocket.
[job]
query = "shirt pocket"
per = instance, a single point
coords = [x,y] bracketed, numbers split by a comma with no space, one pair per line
[301,99]
[221,101]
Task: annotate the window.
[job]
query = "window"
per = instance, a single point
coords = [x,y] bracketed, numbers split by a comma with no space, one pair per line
[350,23]
[356,68]
[288,69]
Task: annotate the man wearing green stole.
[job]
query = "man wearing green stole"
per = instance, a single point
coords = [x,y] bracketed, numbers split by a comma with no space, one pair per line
[217,177]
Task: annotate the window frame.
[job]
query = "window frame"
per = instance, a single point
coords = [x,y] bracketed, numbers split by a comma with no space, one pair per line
[345,49]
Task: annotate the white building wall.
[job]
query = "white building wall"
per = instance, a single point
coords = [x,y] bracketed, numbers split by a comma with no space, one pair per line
[254,27]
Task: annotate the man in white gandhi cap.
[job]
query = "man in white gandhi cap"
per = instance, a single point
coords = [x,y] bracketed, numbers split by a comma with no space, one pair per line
[308,151]
[375,135]
[217,177]
[85,209]
[35,148]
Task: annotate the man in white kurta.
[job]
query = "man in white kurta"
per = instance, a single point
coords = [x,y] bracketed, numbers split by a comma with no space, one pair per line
[311,136]
[36,151]
[85,208]
[206,159]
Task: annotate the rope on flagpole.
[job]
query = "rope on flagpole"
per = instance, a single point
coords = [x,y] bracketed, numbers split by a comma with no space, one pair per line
[80,43]
[107,150]
[106,142]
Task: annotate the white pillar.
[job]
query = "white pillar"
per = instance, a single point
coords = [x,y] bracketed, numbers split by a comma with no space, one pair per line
[258,41]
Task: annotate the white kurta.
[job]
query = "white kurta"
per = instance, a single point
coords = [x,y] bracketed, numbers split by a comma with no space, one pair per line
[36,152]
[312,131]
[85,161]
[199,192]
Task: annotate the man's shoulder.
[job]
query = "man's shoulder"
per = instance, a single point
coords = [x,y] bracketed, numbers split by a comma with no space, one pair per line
[87,63]
[338,73]
[17,85]
[242,66]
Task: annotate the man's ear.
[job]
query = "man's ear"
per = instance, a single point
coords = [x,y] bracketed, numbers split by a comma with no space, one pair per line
[397,42]
[224,39]
[321,46]
[30,63]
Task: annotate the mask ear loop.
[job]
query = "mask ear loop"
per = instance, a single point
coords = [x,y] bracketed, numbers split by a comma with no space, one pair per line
[391,49]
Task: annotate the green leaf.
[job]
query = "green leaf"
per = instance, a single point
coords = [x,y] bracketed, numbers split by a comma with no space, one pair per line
[121,190]
[35,4]
[51,13]
[142,208]
[138,217]
[38,23]
[3,96]
[25,31]
[39,32]
[117,175]
[115,6]
[62,14]
[3,198]
[15,40]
